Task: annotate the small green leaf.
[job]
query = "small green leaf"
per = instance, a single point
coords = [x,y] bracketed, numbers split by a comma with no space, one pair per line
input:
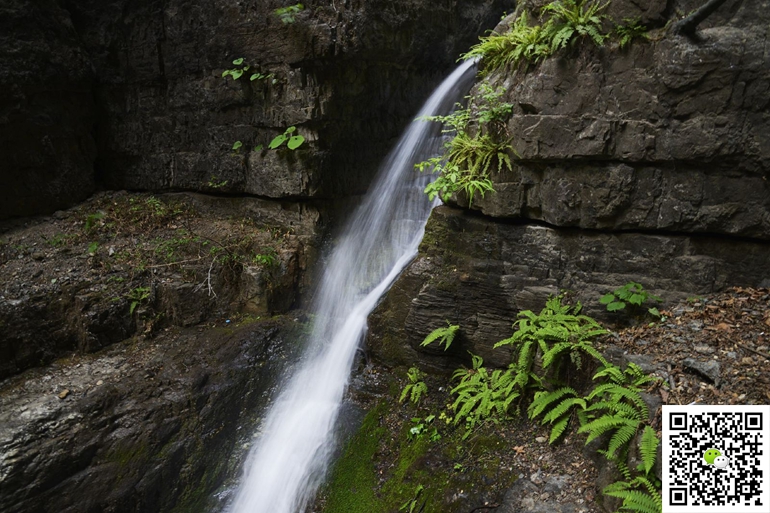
[607,299]
[615,306]
[254,77]
[238,62]
[295,142]
[237,74]
[654,312]
[92,248]
[290,130]
[258,147]
[277,141]
[226,72]
[237,145]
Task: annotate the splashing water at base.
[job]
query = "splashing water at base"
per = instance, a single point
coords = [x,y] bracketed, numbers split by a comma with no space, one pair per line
[285,467]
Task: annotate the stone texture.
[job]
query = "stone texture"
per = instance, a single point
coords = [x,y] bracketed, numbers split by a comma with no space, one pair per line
[47,147]
[666,135]
[147,426]
[479,273]
[130,93]
[55,300]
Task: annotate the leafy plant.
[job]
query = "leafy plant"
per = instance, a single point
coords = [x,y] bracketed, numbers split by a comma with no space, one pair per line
[422,427]
[237,145]
[618,407]
[288,14]
[556,407]
[468,159]
[521,43]
[481,393]
[241,67]
[267,259]
[137,296]
[557,330]
[571,18]
[631,293]
[444,335]
[92,248]
[640,495]
[416,386]
[632,29]
[294,141]
[214,182]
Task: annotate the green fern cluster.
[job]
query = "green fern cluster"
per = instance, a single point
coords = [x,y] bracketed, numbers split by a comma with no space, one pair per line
[568,20]
[641,492]
[571,18]
[415,388]
[521,43]
[476,149]
[558,330]
[481,393]
[632,29]
[556,408]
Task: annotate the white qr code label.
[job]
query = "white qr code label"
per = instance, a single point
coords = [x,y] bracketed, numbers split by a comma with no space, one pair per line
[716,459]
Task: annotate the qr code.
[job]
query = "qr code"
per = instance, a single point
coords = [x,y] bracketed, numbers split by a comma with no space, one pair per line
[716,459]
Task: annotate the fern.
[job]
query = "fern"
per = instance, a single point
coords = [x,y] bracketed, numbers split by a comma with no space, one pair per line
[416,386]
[646,500]
[558,330]
[557,407]
[443,335]
[571,17]
[631,30]
[648,448]
[481,393]
[521,43]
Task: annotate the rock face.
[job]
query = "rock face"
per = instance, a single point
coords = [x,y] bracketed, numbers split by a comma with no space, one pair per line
[145,426]
[47,110]
[479,273]
[131,93]
[647,164]
[144,264]
[666,135]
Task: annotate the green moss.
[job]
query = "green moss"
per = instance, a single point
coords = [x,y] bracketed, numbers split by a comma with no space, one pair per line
[353,479]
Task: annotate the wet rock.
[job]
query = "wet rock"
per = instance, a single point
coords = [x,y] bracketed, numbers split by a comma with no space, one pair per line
[659,137]
[135,90]
[130,444]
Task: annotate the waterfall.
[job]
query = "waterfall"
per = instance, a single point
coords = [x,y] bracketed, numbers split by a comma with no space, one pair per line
[287,463]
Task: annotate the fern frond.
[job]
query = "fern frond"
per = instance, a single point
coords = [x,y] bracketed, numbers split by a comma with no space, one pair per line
[648,448]
[636,501]
[621,438]
[558,429]
[445,335]
[562,408]
[543,400]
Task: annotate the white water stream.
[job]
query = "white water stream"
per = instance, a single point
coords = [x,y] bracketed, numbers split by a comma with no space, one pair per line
[287,463]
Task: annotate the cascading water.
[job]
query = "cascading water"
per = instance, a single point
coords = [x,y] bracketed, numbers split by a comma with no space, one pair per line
[287,463]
